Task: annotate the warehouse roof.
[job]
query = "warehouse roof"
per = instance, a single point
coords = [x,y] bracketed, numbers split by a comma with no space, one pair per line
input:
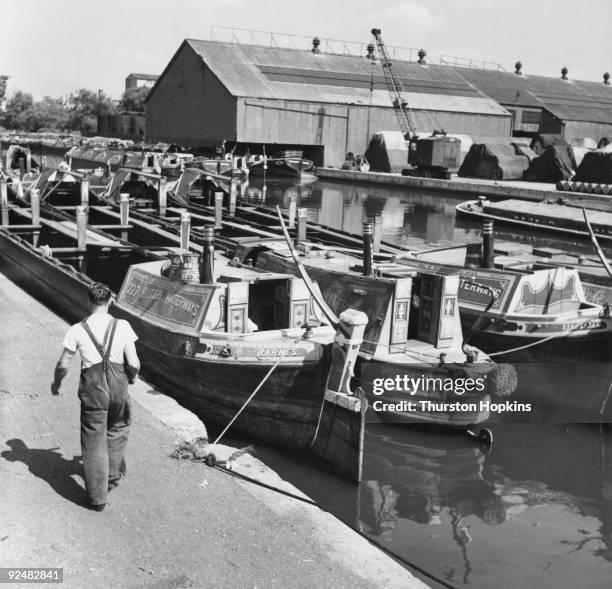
[255,71]
[572,100]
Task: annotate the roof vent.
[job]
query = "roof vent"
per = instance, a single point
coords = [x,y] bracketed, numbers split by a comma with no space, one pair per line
[422,54]
[370,54]
[517,68]
[564,71]
[607,78]
[315,45]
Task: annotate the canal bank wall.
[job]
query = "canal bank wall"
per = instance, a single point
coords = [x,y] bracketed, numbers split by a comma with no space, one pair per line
[461,187]
[171,523]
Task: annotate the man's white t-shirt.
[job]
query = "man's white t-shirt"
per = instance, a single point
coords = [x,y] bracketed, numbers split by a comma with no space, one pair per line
[78,339]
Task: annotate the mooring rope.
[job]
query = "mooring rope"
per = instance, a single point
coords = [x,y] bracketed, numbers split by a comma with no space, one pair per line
[263,380]
[540,341]
[309,501]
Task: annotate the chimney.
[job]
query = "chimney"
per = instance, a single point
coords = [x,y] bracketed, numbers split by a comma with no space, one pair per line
[564,71]
[606,78]
[315,45]
[370,54]
[422,53]
[517,68]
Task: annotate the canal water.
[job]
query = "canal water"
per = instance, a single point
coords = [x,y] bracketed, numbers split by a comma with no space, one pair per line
[534,510]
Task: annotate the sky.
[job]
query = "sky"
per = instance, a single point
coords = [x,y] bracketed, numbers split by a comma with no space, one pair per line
[54,47]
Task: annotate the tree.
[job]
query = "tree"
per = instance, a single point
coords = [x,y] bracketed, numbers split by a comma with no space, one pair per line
[16,105]
[134,99]
[84,108]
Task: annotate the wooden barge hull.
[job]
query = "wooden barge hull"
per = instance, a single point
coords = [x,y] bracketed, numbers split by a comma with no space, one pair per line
[420,412]
[56,284]
[294,169]
[550,217]
[285,411]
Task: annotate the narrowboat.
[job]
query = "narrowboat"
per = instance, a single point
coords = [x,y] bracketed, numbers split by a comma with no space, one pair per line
[240,343]
[565,218]
[525,312]
[413,331]
[285,164]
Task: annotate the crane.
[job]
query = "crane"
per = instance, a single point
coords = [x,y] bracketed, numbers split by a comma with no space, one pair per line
[404,115]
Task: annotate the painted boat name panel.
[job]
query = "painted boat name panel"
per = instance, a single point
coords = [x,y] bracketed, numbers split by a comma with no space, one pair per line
[170,301]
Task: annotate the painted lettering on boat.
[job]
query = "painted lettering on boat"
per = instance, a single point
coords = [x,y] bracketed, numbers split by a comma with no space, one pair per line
[172,301]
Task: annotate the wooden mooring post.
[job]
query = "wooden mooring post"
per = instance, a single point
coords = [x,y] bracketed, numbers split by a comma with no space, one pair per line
[124,213]
[185,230]
[81,223]
[302,218]
[4,202]
[162,196]
[292,211]
[35,211]
[84,190]
[233,194]
[218,210]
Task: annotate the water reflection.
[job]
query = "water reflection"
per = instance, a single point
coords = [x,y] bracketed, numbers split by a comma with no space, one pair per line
[408,218]
[537,510]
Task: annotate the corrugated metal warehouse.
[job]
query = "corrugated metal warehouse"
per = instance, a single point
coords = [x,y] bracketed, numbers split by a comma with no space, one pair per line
[540,104]
[328,103]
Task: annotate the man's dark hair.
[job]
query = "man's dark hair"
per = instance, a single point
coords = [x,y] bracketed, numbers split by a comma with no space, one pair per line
[99,294]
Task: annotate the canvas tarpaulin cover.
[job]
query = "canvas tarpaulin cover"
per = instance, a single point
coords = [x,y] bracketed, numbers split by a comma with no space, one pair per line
[493,161]
[552,166]
[595,167]
[387,152]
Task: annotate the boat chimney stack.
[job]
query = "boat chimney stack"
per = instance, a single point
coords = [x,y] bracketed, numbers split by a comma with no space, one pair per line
[368,249]
[606,78]
[488,244]
[422,54]
[564,72]
[517,68]
[207,261]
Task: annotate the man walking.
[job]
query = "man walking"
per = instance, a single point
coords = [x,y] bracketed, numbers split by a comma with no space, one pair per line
[108,362]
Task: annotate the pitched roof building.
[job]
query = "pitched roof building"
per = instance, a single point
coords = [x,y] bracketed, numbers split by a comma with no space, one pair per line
[548,105]
[326,103]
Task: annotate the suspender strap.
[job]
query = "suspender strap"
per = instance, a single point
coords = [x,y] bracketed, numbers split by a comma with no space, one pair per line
[103,350]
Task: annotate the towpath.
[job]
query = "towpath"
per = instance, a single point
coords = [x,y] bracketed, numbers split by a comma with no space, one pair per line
[171,524]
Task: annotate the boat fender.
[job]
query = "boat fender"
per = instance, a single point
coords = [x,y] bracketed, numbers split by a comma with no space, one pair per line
[211,460]
[505,380]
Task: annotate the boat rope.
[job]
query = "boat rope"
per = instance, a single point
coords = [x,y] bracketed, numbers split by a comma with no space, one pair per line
[537,342]
[404,561]
[263,380]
